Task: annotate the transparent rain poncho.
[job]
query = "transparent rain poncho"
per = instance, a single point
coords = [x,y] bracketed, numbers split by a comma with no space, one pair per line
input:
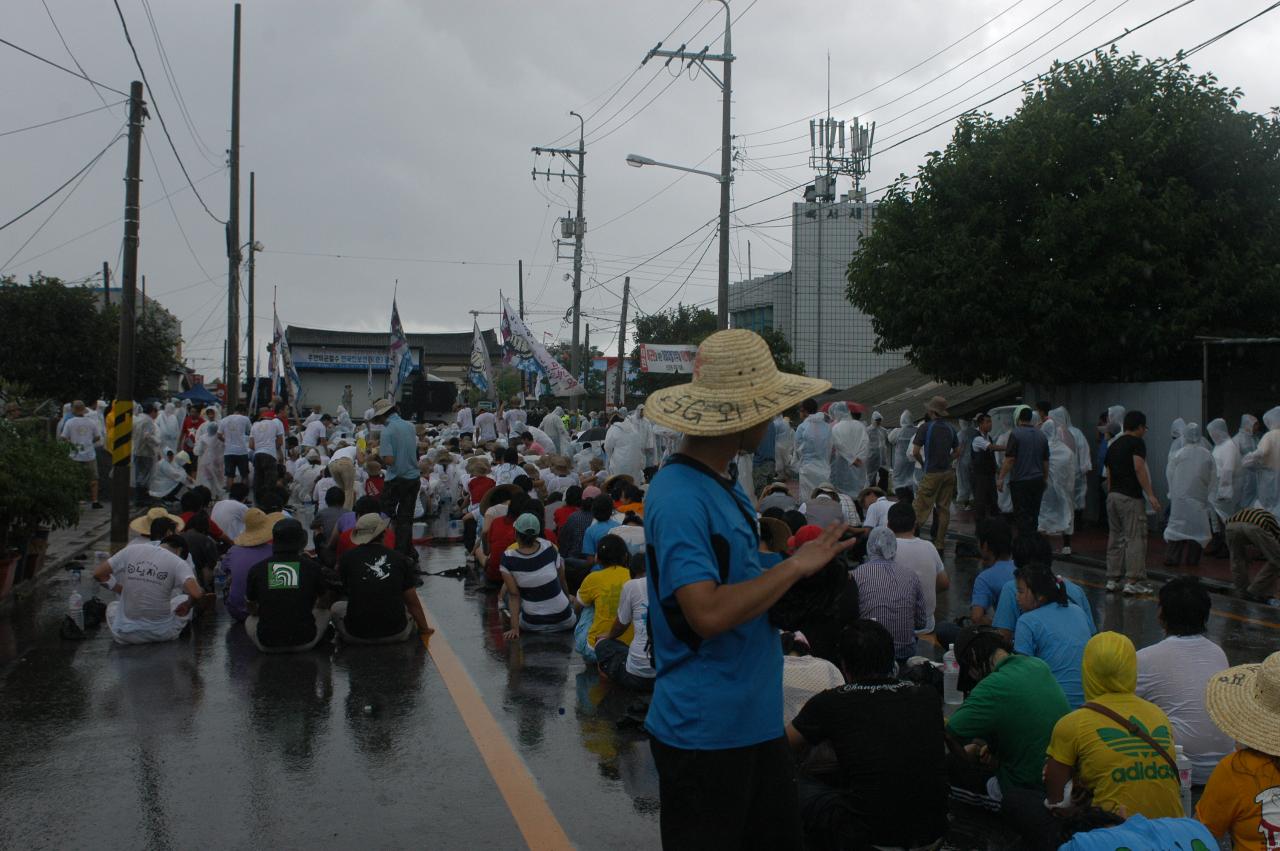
[1192,476]
[1058,506]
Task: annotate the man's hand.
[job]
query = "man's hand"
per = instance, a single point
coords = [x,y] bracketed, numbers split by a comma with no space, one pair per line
[512,634]
[818,553]
[182,608]
[1000,485]
[1155,503]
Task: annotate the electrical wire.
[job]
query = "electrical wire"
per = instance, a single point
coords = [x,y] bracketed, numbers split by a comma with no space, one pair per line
[90,164]
[60,120]
[160,116]
[167,67]
[37,56]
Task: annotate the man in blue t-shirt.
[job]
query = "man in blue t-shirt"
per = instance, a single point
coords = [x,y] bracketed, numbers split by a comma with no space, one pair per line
[726,776]
[936,446]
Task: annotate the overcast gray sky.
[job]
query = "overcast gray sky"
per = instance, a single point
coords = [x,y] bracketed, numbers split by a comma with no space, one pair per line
[398,135]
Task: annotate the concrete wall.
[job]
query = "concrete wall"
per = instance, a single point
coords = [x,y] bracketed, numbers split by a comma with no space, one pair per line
[1161,401]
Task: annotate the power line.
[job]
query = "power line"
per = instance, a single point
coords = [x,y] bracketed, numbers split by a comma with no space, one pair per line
[37,56]
[60,120]
[156,107]
[90,164]
[167,67]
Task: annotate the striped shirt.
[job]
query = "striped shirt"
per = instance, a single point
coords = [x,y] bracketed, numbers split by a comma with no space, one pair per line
[1257,517]
[543,604]
[890,594]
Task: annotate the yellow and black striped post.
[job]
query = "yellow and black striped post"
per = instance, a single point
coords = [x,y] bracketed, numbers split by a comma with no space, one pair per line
[120,432]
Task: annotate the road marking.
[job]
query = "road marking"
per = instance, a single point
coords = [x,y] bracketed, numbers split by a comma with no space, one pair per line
[524,799]
[1229,615]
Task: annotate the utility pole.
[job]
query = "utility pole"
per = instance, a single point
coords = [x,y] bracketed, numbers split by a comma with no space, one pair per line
[576,227]
[622,340]
[120,423]
[726,144]
[106,284]
[248,368]
[233,229]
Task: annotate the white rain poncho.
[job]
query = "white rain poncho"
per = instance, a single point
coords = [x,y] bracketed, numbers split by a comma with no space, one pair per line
[904,466]
[1246,441]
[665,442]
[849,444]
[813,452]
[553,425]
[784,446]
[209,463]
[582,460]
[877,445]
[1001,427]
[1077,443]
[1115,420]
[169,427]
[1265,462]
[624,452]
[746,468]
[1058,507]
[644,428]
[1176,430]
[1224,498]
[344,427]
[1192,477]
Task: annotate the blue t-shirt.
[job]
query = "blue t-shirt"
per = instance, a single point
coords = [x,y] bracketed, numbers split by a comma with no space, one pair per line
[987,585]
[1007,611]
[768,560]
[400,441]
[764,450]
[721,692]
[596,531]
[1056,634]
[1138,831]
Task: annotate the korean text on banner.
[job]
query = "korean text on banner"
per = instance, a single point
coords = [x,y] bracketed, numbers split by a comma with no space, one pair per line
[663,358]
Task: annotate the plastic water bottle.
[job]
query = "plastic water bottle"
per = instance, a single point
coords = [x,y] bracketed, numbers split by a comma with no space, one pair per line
[219,582]
[75,608]
[1184,779]
[951,677]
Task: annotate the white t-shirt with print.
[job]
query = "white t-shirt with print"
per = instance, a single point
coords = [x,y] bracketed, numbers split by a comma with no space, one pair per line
[82,433]
[633,608]
[150,576]
[263,434]
[235,433]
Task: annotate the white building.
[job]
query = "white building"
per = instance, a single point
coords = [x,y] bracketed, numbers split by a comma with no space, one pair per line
[808,304]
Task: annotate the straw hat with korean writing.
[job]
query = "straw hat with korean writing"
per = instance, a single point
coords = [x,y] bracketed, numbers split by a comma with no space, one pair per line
[1244,702]
[736,385]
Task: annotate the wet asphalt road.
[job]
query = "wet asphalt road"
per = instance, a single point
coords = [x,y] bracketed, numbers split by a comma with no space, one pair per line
[204,742]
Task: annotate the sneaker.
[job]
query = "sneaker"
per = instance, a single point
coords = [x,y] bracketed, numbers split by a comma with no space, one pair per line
[1138,588]
[1113,585]
[1066,551]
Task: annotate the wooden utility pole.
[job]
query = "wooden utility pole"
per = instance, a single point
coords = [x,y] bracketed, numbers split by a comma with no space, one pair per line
[250,372]
[120,422]
[621,399]
[106,284]
[233,229]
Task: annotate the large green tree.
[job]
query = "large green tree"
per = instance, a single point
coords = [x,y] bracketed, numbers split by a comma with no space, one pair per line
[62,344]
[684,324]
[1125,208]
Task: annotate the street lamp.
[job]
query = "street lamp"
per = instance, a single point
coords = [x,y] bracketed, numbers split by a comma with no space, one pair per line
[637,161]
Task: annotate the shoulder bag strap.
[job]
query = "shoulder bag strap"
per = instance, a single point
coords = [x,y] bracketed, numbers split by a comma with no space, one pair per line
[1134,730]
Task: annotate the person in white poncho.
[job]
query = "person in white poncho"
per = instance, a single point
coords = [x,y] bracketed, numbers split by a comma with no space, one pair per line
[850,449]
[1192,477]
[1058,505]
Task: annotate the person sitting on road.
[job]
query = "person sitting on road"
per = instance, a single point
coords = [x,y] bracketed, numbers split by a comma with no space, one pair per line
[602,512]
[1172,674]
[282,595]
[381,586]
[628,664]
[892,787]
[890,593]
[1028,549]
[228,514]
[156,585]
[250,547]
[324,527]
[1005,722]
[570,532]
[200,545]
[169,480]
[346,542]
[534,578]
[803,675]
[1051,628]
[995,542]
[597,599]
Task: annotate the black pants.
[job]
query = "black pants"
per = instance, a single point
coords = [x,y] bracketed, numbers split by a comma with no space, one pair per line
[1026,496]
[733,798]
[611,656]
[265,471]
[986,502]
[399,500]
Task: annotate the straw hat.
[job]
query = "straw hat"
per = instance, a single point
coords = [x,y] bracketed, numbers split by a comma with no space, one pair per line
[938,407]
[496,493]
[561,465]
[736,385]
[257,527]
[618,477]
[1244,702]
[142,524]
[368,527]
[381,406]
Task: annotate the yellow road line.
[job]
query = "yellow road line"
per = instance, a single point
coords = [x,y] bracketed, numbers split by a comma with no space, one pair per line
[524,799]
[1229,615]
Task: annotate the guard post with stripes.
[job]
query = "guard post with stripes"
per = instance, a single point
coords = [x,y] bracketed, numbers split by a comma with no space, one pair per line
[120,432]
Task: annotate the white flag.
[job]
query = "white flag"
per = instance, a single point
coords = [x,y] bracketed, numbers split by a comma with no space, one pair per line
[481,370]
[526,353]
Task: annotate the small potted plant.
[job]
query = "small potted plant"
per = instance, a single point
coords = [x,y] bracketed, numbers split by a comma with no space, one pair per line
[40,489]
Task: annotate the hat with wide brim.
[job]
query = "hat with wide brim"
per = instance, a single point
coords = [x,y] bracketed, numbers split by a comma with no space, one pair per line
[1244,702]
[257,527]
[142,523]
[495,494]
[938,407]
[618,477]
[736,385]
[368,527]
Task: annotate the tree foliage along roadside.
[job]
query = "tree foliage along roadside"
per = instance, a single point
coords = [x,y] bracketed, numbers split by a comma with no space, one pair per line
[62,344]
[1125,208]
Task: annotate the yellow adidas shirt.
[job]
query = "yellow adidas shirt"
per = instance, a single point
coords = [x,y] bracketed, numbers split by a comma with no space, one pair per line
[602,589]
[1120,768]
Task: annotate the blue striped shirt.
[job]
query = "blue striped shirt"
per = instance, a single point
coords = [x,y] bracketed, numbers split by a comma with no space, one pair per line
[543,604]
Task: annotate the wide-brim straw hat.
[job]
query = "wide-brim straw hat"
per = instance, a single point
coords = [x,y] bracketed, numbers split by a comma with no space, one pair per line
[618,477]
[736,385]
[496,493]
[368,527]
[257,527]
[1244,702]
[142,523]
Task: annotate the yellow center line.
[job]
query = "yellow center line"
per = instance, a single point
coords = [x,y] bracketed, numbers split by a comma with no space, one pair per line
[524,799]
[1229,615]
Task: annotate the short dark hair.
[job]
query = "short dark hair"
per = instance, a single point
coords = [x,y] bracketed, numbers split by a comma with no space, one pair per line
[161,528]
[795,520]
[511,455]
[866,648]
[996,535]
[602,507]
[199,522]
[573,496]
[902,517]
[613,551]
[366,505]
[206,495]
[178,543]
[523,482]
[190,501]
[1134,419]
[809,405]
[1031,548]
[1184,606]
[1024,415]
[334,496]
[239,492]
[980,417]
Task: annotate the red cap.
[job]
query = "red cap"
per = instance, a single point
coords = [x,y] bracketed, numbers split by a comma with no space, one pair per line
[803,535]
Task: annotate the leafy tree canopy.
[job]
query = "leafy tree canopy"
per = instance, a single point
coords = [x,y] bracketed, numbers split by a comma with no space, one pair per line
[1125,208]
[684,324]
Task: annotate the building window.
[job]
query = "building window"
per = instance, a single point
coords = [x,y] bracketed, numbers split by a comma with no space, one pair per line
[754,319]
